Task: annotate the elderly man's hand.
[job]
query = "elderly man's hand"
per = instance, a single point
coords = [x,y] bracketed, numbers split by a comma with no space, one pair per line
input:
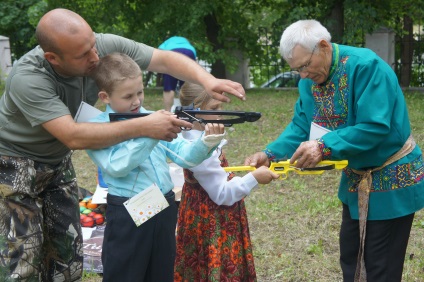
[257,160]
[307,154]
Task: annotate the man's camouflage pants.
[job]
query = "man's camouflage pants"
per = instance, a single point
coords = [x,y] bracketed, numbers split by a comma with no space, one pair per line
[40,232]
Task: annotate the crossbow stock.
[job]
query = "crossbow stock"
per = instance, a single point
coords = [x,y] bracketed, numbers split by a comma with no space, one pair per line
[188,113]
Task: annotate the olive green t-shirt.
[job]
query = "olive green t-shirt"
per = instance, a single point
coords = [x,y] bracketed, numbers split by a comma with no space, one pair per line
[35,94]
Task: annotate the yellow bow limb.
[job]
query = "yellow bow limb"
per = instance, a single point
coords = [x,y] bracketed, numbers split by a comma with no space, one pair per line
[283,167]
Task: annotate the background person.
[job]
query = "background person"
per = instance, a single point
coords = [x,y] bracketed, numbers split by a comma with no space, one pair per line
[213,240]
[351,101]
[170,84]
[145,252]
[39,218]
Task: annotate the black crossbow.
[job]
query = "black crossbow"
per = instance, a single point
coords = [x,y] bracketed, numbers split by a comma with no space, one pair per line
[188,113]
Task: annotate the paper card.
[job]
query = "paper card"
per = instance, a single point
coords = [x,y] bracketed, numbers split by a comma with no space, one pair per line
[146,204]
[86,112]
[99,196]
[317,131]
[86,232]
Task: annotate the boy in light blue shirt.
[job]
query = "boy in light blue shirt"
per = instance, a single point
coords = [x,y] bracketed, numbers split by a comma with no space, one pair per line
[146,252]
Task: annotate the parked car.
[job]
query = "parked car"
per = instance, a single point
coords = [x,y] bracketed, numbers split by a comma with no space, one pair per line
[284,79]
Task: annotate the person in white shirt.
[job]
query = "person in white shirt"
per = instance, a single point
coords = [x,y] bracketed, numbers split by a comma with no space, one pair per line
[212,220]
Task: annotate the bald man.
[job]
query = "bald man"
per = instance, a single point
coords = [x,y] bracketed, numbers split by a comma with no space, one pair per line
[39,215]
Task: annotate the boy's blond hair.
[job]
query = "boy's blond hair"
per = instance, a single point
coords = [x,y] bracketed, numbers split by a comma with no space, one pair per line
[113,68]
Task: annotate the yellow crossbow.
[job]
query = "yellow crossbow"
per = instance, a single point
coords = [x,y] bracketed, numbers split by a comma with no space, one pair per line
[283,167]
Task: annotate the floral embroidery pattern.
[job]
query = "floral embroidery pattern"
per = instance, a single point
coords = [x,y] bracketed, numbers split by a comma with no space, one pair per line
[390,177]
[325,151]
[269,154]
[331,99]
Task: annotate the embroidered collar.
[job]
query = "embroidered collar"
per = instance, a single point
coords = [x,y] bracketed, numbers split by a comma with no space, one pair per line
[334,65]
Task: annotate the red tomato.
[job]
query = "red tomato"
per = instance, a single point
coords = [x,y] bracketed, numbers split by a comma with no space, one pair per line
[92,214]
[99,219]
[87,222]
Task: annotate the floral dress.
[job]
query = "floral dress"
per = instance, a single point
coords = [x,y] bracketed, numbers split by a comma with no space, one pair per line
[213,242]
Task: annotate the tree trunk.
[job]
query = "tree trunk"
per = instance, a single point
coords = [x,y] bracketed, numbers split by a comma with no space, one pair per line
[212,32]
[407,50]
[335,22]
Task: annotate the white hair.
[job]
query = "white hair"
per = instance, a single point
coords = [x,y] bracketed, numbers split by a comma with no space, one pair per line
[306,33]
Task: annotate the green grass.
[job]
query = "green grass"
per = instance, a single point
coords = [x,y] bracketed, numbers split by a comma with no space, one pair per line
[294,223]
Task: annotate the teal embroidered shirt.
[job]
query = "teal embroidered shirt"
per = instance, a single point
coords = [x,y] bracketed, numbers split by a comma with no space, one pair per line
[364,107]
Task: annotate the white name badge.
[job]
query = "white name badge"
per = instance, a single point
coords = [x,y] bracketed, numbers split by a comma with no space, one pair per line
[317,131]
[86,112]
[146,204]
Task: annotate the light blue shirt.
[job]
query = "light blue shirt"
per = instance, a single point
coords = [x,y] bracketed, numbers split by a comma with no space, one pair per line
[134,165]
[176,42]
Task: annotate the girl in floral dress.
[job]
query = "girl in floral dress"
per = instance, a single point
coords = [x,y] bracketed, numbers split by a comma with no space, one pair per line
[213,241]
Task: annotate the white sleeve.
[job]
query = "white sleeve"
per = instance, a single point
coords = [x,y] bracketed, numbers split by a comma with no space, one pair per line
[213,178]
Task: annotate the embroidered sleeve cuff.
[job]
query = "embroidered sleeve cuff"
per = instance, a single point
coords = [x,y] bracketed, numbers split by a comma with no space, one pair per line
[325,151]
[269,154]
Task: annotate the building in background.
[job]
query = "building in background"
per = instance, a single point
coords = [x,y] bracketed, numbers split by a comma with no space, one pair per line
[5,58]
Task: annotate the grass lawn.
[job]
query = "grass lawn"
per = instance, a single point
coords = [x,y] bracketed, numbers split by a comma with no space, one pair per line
[294,223]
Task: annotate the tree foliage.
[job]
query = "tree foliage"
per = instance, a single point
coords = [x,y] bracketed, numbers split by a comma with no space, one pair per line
[15,23]
[350,20]
[216,28]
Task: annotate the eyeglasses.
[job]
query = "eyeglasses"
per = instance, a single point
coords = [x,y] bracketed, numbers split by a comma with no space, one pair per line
[305,66]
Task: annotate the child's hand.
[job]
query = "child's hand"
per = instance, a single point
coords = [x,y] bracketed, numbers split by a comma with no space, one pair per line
[264,175]
[214,128]
[161,125]
[214,133]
